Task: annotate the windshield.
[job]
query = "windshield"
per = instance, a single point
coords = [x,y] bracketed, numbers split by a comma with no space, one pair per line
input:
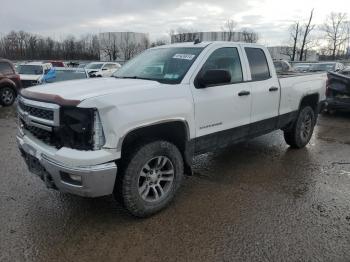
[30,70]
[166,65]
[94,66]
[65,75]
[322,67]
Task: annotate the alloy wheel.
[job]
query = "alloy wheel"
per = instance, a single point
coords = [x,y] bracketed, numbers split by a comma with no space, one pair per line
[156,179]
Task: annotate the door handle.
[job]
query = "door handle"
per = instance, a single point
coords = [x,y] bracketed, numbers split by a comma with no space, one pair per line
[244,93]
[273,89]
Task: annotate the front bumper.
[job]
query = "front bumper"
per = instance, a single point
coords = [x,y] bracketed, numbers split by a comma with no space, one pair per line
[95,180]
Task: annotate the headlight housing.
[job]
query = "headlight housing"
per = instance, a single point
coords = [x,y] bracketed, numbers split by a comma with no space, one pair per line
[99,137]
[81,128]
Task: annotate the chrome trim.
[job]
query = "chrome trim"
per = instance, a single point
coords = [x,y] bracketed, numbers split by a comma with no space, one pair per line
[46,128]
[41,105]
[38,104]
[83,169]
[31,120]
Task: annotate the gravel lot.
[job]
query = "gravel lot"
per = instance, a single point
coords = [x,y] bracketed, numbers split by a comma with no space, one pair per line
[257,201]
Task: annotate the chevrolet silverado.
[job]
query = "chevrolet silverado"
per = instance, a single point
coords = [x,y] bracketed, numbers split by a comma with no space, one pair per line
[134,134]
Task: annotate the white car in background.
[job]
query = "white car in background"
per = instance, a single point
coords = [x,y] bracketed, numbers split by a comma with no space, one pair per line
[35,73]
[102,69]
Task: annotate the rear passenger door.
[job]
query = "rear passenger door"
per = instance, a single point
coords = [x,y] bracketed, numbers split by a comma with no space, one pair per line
[265,90]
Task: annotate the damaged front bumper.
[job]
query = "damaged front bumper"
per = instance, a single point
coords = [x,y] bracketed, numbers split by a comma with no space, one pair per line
[88,180]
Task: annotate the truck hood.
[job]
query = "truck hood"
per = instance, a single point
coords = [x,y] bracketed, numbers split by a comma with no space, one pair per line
[84,89]
[30,77]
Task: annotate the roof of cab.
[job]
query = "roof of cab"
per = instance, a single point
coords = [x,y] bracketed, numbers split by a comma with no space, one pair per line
[206,43]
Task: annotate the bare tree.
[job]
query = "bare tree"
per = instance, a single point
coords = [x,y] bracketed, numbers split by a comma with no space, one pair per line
[249,36]
[128,46]
[288,51]
[294,35]
[306,31]
[109,46]
[183,34]
[23,46]
[158,42]
[229,27]
[335,28]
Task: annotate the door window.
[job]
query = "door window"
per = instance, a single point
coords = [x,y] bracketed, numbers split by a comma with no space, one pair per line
[259,67]
[226,58]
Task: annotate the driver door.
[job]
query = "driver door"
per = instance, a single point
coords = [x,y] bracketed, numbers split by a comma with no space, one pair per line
[222,112]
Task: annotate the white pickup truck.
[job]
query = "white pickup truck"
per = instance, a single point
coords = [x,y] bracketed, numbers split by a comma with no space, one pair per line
[134,135]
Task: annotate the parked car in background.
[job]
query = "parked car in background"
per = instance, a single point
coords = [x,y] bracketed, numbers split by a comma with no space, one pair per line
[57,63]
[301,67]
[338,92]
[102,69]
[326,67]
[10,83]
[66,74]
[82,65]
[282,66]
[346,71]
[135,134]
[35,73]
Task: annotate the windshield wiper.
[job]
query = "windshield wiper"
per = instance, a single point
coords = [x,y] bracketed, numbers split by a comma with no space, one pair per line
[136,77]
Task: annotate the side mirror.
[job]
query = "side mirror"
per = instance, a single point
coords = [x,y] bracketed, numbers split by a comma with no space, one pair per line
[214,77]
[104,69]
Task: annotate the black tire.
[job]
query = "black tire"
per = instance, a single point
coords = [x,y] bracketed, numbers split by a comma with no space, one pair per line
[133,171]
[299,135]
[7,96]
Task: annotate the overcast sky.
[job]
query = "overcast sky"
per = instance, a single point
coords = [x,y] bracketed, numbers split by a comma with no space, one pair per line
[270,18]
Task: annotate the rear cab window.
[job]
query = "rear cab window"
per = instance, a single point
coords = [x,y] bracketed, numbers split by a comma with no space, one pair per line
[5,68]
[259,67]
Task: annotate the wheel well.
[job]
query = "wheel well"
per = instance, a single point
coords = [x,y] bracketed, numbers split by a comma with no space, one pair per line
[310,100]
[175,132]
[10,86]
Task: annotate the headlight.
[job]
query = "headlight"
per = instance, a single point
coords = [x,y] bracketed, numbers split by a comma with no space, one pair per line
[81,128]
[99,138]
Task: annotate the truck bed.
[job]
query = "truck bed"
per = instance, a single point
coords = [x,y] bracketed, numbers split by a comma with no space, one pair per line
[294,74]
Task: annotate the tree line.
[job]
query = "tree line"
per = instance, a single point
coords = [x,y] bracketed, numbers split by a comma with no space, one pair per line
[331,39]
[20,45]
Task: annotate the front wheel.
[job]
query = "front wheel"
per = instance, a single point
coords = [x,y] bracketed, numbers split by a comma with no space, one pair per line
[7,96]
[150,178]
[301,132]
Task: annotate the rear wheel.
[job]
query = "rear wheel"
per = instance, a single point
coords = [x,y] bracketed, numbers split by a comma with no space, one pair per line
[301,132]
[7,96]
[150,178]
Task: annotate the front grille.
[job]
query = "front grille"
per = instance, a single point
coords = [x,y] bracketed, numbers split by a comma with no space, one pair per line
[41,134]
[57,126]
[40,119]
[37,112]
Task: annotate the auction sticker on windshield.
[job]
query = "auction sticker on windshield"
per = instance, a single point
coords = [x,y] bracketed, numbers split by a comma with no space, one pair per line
[184,56]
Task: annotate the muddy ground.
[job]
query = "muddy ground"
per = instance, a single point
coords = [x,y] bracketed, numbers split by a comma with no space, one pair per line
[256,201]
